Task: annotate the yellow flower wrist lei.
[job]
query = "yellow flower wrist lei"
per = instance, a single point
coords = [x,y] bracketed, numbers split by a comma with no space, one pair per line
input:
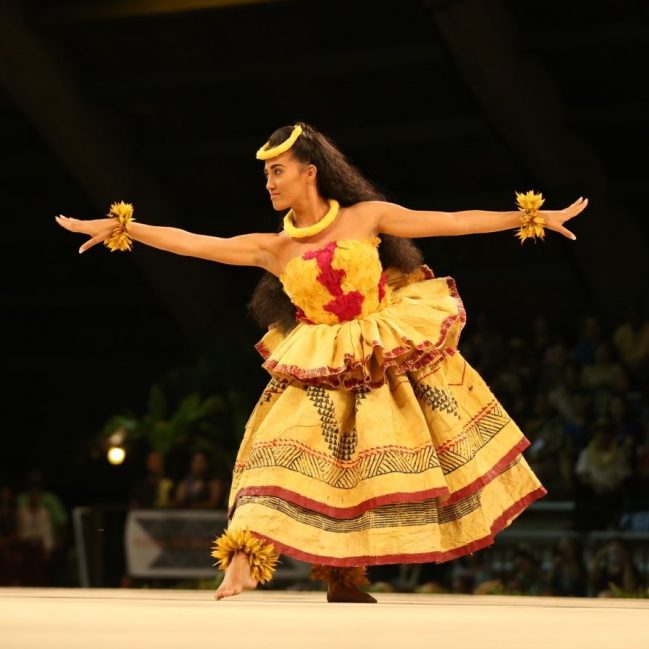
[531,221]
[119,238]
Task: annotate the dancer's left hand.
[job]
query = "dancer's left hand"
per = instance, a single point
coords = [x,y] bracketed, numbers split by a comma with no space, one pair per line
[554,219]
[98,229]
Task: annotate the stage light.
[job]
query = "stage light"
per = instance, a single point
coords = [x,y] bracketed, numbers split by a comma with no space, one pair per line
[116,454]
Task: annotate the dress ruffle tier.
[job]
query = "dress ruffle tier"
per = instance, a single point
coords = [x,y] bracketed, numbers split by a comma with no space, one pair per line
[376,442]
[422,322]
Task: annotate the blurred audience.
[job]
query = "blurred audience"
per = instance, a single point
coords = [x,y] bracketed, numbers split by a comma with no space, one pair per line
[568,573]
[589,335]
[485,345]
[626,431]
[642,463]
[201,489]
[525,575]
[604,377]
[631,338]
[582,399]
[9,547]
[153,490]
[35,535]
[576,429]
[42,533]
[468,572]
[58,515]
[545,430]
[612,566]
[602,471]
[560,385]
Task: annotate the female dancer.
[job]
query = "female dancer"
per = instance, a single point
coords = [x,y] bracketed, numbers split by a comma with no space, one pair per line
[374,441]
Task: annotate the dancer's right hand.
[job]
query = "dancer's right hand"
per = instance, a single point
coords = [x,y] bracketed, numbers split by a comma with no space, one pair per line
[98,229]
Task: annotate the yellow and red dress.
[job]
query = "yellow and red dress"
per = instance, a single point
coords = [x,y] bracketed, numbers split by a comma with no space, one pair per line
[375,441]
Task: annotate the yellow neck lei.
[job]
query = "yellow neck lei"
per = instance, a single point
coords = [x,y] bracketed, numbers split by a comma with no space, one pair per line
[297,233]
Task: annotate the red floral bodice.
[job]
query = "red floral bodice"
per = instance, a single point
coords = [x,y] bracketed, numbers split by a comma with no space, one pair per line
[342,280]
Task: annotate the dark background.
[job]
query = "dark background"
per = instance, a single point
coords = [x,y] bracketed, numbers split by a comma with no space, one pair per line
[446,105]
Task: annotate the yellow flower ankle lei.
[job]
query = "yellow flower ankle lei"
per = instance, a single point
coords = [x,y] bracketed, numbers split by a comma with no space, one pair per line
[262,555]
[531,221]
[119,238]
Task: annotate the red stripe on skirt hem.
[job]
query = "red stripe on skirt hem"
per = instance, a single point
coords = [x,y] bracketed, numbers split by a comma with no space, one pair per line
[349,512]
[486,478]
[423,557]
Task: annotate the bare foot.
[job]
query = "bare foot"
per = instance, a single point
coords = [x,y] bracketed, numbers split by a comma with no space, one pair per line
[346,594]
[237,578]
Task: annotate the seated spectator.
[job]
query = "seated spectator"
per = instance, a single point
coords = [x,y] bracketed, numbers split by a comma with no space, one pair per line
[577,426]
[613,565]
[51,502]
[604,377]
[462,581]
[485,345]
[561,394]
[9,550]
[55,564]
[511,381]
[541,335]
[545,431]
[516,402]
[626,431]
[642,466]
[589,336]
[631,339]
[568,574]
[602,471]
[152,490]
[552,367]
[480,567]
[200,489]
[35,534]
[525,575]
[468,572]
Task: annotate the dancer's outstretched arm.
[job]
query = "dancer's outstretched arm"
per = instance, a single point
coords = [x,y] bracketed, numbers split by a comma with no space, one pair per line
[243,250]
[402,222]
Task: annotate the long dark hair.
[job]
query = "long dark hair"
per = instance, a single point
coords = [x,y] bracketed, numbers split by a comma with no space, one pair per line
[336,178]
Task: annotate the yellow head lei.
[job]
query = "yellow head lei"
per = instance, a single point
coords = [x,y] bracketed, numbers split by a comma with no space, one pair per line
[264,152]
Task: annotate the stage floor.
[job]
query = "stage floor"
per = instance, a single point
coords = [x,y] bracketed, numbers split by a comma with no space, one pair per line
[49,618]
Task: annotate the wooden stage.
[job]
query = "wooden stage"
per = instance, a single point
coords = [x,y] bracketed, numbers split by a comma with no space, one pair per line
[53,618]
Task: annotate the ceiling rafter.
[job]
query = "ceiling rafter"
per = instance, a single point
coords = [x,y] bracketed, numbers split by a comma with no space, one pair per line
[335,63]
[525,109]
[112,9]
[94,154]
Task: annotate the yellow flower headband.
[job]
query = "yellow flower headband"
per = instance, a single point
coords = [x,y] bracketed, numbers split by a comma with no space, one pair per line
[264,152]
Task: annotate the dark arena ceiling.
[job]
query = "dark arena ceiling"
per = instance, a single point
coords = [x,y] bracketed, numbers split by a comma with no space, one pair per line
[447,105]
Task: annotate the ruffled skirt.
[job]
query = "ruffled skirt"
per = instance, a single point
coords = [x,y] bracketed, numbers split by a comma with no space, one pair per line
[376,442]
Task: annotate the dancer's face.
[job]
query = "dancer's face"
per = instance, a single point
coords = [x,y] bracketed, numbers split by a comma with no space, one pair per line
[287,180]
